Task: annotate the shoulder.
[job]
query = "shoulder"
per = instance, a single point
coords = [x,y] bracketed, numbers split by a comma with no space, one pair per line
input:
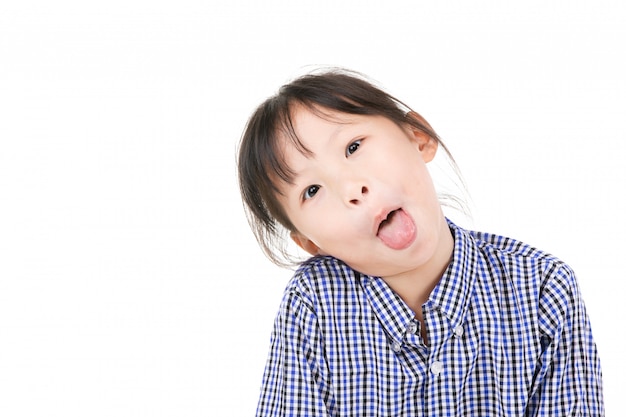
[535,274]
[524,259]
[507,246]
[535,279]
[321,282]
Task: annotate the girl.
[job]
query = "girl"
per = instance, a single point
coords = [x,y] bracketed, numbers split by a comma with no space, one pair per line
[399,311]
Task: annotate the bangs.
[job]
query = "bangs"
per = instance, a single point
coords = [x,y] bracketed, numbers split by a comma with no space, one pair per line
[283,133]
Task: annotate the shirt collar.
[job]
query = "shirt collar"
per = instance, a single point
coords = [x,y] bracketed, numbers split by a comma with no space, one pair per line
[451,294]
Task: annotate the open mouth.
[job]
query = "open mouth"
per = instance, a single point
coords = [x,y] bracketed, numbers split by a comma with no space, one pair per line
[397,230]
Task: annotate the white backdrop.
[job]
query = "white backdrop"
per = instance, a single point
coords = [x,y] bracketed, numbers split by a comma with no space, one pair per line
[130,283]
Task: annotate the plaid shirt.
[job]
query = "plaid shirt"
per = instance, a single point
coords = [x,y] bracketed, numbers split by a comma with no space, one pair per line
[507,330]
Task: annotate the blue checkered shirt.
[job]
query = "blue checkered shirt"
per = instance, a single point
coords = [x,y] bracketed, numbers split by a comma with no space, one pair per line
[508,335]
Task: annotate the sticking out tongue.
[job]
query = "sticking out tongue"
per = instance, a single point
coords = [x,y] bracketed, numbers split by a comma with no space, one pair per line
[398,230]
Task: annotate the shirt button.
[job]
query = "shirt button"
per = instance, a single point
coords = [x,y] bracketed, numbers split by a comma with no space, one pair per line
[411,328]
[396,347]
[458,330]
[436,367]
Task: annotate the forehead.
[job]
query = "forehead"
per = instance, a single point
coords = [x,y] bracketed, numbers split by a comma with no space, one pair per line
[317,120]
[304,125]
[317,126]
[314,125]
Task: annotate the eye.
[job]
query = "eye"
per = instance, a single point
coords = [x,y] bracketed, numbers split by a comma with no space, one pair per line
[310,192]
[353,147]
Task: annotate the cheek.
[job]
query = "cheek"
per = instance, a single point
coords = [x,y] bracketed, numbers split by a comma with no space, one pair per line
[325,227]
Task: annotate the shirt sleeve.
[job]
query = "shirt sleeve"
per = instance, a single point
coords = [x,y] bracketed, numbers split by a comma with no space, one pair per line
[569,380]
[295,378]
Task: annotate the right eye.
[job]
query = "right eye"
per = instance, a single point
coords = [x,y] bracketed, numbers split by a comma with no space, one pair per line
[310,192]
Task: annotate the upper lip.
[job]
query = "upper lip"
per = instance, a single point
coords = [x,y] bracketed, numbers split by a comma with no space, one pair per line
[382,216]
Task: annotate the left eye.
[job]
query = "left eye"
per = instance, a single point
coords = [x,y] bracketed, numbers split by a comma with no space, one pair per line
[353,147]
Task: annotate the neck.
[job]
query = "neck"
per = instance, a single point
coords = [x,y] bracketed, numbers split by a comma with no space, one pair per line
[415,287]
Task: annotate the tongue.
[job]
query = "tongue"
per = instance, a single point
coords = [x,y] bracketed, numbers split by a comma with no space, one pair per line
[398,231]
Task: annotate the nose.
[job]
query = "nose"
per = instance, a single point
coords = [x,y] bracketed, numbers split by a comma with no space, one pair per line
[352,185]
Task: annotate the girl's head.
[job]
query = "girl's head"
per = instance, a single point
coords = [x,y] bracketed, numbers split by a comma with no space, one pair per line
[320,138]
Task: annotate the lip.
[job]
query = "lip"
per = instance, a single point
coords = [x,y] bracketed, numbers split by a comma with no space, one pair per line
[382,216]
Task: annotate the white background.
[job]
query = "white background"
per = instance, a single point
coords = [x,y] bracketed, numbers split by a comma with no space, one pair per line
[130,284]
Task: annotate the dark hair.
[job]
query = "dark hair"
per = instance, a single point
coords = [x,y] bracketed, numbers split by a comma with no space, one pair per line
[260,163]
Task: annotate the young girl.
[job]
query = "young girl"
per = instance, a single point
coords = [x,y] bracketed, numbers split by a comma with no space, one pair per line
[399,311]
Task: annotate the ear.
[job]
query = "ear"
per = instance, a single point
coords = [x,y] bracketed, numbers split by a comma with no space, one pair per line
[305,243]
[425,144]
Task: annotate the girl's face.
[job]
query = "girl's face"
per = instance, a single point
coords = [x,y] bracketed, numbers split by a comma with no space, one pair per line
[364,194]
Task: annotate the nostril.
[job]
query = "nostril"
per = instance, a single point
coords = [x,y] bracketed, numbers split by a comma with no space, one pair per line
[358,197]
